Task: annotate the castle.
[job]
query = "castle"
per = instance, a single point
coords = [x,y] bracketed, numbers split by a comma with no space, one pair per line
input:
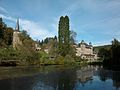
[85,51]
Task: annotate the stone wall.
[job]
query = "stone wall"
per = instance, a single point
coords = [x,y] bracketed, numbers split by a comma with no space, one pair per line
[16,39]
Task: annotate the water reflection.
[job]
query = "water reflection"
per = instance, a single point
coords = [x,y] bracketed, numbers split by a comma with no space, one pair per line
[57,80]
[109,74]
[85,74]
[60,78]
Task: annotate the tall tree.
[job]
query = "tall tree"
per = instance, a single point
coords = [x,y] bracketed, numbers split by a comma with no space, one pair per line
[60,33]
[1,30]
[64,36]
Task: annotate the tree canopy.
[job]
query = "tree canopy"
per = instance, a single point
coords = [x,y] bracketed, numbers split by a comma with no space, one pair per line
[6,34]
[65,36]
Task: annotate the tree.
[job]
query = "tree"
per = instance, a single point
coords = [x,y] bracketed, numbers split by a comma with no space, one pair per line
[104,53]
[8,36]
[1,31]
[55,38]
[72,37]
[112,55]
[115,51]
[25,34]
[64,36]
[1,27]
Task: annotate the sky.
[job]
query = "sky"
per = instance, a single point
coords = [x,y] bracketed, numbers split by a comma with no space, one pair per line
[96,21]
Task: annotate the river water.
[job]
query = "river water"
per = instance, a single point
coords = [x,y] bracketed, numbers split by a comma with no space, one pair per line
[59,78]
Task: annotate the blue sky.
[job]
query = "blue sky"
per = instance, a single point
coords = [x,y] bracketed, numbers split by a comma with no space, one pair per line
[96,21]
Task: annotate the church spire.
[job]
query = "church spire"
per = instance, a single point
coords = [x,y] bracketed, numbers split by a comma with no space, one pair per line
[17,25]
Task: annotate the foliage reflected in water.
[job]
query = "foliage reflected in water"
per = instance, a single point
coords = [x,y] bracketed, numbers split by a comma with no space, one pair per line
[62,78]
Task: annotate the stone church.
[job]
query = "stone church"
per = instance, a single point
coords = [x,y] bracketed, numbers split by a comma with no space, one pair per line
[85,51]
[16,39]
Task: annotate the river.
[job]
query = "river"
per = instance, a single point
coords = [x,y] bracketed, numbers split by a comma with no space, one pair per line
[59,78]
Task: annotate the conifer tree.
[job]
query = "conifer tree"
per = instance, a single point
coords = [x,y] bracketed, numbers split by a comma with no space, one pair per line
[1,29]
[64,36]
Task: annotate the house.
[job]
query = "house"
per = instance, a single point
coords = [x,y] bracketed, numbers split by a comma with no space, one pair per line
[37,47]
[85,51]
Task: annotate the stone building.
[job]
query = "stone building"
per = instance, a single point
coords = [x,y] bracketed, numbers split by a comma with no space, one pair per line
[16,39]
[37,47]
[85,51]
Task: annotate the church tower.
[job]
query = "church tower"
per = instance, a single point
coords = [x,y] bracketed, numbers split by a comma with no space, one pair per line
[16,39]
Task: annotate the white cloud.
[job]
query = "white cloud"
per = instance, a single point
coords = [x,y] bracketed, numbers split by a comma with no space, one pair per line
[8,17]
[3,10]
[33,28]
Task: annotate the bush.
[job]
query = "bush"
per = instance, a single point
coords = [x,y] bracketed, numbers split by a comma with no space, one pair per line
[69,60]
[59,60]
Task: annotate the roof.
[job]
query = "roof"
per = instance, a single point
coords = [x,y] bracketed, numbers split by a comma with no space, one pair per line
[86,45]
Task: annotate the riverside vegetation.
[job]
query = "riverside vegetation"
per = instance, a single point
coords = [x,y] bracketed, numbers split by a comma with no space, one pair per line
[110,54]
[61,50]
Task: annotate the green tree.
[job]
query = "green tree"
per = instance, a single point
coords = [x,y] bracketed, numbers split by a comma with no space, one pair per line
[115,51]
[1,28]
[64,36]
[112,55]
[104,53]
[1,32]
[53,47]
[8,36]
